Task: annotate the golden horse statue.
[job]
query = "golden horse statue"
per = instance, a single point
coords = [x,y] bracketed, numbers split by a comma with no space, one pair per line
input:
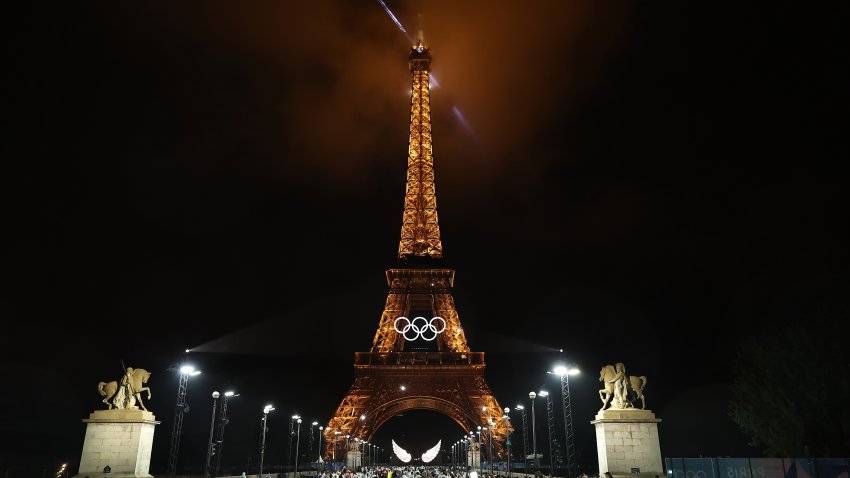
[132,386]
[612,379]
[618,385]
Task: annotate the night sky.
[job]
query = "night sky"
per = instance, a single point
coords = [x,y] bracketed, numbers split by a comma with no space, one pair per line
[640,182]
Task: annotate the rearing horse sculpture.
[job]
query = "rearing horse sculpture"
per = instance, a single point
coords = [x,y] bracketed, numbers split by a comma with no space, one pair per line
[624,389]
[612,379]
[132,385]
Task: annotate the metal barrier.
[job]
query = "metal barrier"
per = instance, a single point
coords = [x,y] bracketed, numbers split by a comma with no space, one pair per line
[757,467]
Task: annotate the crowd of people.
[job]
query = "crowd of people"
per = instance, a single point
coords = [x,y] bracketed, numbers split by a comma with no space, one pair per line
[399,472]
[420,472]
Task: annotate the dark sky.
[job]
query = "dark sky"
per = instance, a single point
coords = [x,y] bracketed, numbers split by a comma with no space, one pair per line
[641,182]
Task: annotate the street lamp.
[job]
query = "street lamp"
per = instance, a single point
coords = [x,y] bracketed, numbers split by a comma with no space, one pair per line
[471,448]
[489,431]
[266,410]
[222,422]
[297,443]
[291,438]
[210,451]
[521,408]
[490,443]
[532,396]
[321,428]
[564,372]
[186,371]
[310,446]
[507,419]
[480,465]
[336,440]
[454,455]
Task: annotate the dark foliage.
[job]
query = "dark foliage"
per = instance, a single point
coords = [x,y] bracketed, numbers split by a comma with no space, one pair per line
[791,389]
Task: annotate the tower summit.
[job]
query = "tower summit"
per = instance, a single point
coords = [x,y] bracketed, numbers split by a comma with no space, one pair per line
[420,230]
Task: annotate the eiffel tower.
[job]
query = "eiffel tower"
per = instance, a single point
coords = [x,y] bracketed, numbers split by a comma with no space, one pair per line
[437,371]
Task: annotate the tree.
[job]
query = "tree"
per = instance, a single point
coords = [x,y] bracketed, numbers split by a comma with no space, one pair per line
[791,390]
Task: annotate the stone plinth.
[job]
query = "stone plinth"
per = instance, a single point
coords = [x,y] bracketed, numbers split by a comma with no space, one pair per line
[627,439]
[119,439]
[473,459]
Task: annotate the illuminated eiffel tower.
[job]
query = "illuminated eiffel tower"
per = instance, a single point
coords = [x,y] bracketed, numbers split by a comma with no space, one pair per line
[437,371]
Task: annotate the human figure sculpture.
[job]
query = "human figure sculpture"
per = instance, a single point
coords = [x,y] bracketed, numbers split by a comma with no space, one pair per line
[129,392]
[620,389]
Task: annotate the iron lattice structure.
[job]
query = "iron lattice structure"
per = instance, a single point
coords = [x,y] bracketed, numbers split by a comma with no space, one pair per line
[219,436]
[550,416]
[524,438]
[568,426]
[389,380]
[177,428]
[420,231]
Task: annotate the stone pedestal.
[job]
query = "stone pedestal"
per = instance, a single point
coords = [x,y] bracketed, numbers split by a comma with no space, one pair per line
[626,440]
[473,459]
[119,439]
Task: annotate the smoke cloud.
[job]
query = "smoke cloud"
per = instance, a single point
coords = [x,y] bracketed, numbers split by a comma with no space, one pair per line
[324,85]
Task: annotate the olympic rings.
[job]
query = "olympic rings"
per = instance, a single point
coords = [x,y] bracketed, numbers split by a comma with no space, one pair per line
[419,326]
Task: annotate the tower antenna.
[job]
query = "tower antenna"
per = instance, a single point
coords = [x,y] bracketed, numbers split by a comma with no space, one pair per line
[421,42]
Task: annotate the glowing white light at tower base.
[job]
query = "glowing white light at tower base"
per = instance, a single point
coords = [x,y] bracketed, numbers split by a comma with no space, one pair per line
[400,452]
[432,453]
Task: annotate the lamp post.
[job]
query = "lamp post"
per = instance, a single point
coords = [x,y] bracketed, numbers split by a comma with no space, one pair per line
[475,452]
[186,371]
[210,451]
[321,429]
[222,422]
[521,408]
[484,431]
[490,443]
[291,439]
[550,415]
[336,441]
[564,372]
[310,448]
[532,396]
[297,443]
[266,410]
[480,465]
[507,419]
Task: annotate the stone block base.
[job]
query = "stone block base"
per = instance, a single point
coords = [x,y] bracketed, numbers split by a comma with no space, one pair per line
[627,439]
[119,439]
[473,458]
